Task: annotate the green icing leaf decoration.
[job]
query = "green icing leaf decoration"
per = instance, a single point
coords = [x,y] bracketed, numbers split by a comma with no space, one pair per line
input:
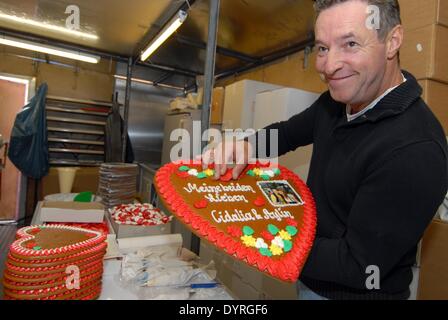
[184,168]
[83,197]
[201,175]
[291,230]
[287,245]
[265,177]
[273,229]
[248,231]
[265,252]
[251,173]
[276,171]
[37,248]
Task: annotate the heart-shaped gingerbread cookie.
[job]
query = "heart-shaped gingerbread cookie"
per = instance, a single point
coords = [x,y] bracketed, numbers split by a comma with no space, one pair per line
[42,259]
[54,242]
[266,218]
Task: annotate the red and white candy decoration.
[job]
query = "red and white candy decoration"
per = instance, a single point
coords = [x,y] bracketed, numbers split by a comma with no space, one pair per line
[139,215]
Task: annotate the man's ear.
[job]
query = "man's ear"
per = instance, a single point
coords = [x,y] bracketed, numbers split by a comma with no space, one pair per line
[394,41]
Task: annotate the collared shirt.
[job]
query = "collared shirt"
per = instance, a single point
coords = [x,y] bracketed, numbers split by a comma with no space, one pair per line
[351,117]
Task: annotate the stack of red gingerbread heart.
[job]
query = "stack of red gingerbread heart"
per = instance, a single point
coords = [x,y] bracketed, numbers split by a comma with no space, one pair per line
[55,262]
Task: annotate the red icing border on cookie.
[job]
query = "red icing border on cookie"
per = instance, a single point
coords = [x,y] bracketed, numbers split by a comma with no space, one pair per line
[288,268]
[92,288]
[93,252]
[26,234]
[94,269]
[21,270]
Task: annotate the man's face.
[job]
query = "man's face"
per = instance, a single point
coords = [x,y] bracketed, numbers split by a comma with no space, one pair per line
[350,56]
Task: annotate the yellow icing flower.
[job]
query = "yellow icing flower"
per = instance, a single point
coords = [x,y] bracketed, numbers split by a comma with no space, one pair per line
[284,235]
[249,241]
[257,171]
[209,172]
[276,250]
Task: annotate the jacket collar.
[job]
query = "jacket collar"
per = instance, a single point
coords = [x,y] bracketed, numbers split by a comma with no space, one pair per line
[394,103]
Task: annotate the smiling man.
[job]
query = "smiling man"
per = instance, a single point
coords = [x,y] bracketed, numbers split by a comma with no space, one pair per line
[358,61]
[379,165]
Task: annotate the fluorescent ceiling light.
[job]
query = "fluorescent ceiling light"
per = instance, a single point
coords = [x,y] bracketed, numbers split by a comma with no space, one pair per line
[167,31]
[47,26]
[134,79]
[28,45]
[148,82]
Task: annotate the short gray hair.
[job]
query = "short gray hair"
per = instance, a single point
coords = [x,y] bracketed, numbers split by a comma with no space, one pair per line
[389,13]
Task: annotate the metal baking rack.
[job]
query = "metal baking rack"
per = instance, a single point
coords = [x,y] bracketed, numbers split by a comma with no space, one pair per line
[76,131]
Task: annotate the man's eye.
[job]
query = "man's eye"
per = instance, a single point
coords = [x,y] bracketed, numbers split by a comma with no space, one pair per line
[322,49]
[352,44]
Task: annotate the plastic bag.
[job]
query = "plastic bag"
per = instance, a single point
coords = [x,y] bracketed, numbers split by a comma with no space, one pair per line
[164,273]
[28,148]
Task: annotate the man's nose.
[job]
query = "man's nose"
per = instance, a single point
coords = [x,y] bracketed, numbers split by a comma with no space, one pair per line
[333,63]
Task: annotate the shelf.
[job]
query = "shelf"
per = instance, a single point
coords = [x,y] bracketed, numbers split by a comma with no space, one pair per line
[78,151]
[75,111]
[80,131]
[78,121]
[81,101]
[76,130]
[89,163]
[76,141]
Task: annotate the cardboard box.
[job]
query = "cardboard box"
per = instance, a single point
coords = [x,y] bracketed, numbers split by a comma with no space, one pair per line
[424,53]
[112,245]
[433,282]
[131,231]
[239,103]
[274,289]
[282,104]
[435,95]
[217,105]
[244,281]
[416,14]
[66,211]
[128,245]
[238,287]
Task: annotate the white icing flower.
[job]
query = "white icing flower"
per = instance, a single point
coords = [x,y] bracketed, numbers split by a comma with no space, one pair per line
[193,172]
[269,173]
[261,244]
[278,241]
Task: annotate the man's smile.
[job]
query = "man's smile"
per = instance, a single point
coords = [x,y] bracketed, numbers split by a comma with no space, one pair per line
[338,79]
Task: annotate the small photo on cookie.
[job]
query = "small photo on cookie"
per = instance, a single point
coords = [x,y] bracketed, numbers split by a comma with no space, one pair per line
[280,193]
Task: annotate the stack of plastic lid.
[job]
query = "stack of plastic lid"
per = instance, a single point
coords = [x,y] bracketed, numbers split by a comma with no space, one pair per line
[118,183]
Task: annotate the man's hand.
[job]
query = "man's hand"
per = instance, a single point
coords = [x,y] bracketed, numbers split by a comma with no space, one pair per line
[228,153]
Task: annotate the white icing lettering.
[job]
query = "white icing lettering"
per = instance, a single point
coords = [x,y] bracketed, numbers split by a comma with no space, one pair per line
[225,198]
[239,216]
[204,188]
[277,214]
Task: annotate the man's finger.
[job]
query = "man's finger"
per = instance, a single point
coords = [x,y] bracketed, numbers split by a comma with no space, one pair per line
[207,158]
[228,156]
[241,158]
[237,170]
[218,160]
